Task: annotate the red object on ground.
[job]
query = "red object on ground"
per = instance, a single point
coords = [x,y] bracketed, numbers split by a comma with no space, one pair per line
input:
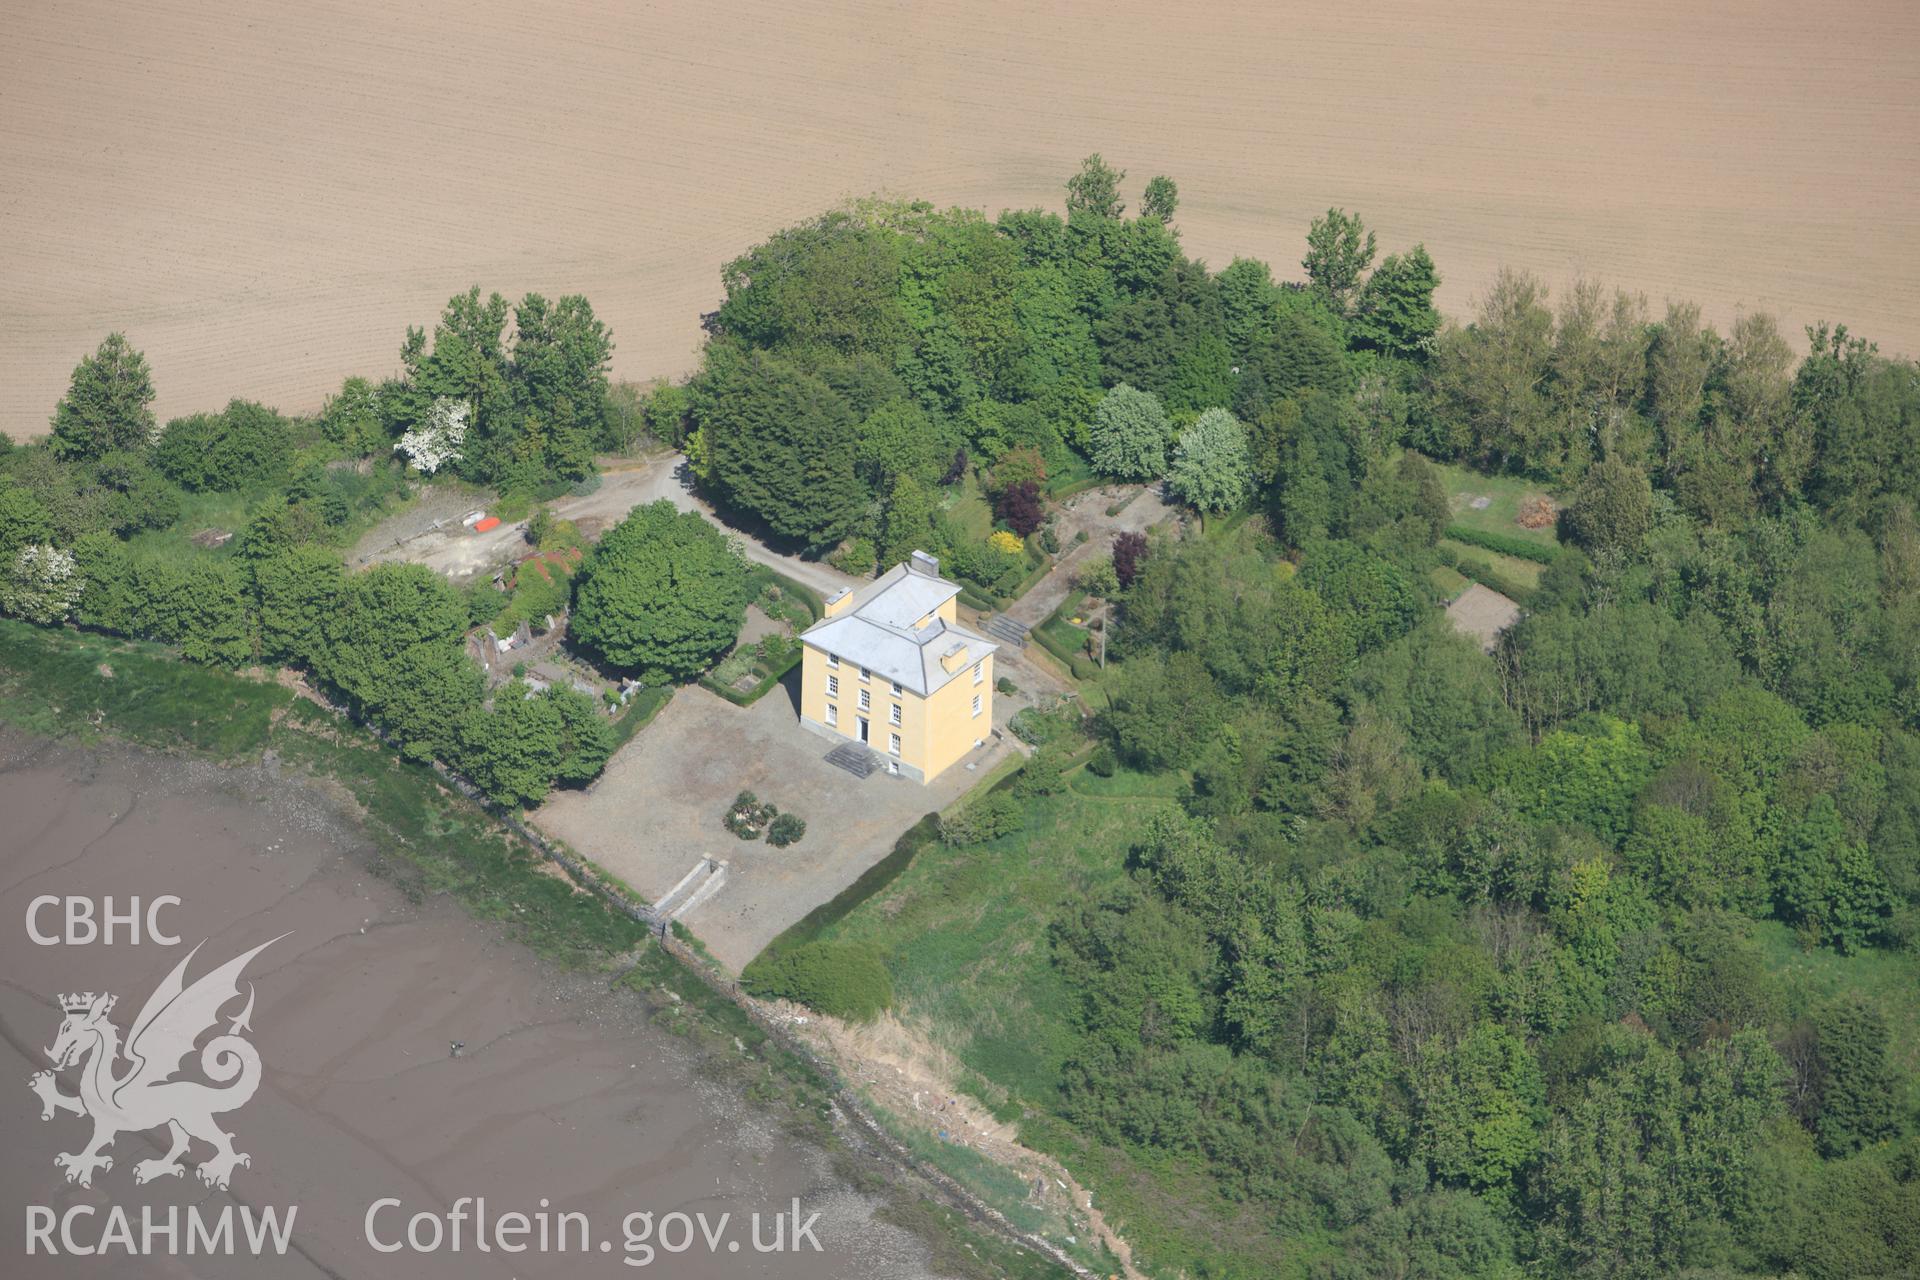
[491,522]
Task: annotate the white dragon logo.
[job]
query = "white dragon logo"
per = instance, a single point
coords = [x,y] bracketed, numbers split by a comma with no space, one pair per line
[146,1096]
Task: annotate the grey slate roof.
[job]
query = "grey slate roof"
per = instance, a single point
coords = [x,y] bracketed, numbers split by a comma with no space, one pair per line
[877,631]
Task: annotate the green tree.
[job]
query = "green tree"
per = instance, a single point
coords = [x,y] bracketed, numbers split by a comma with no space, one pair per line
[783,445]
[1477,1107]
[1487,381]
[1829,883]
[393,646]
[1094,192]
[1587,774]
[1212,470]
[22,520]
[1129,435]
[1160,199]
[663,594]
[298,589]
[245,445]
[1339,251]
[906,522]
[1395,312]
[468,360]
[108,404]
[1857,1085]
[1612,510]
[1249,304]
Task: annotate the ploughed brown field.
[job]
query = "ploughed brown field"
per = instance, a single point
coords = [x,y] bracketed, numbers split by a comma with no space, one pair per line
[265,197]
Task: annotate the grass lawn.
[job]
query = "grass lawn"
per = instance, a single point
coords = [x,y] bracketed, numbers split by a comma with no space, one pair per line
[965,933]
[1449,582]
[1504,495]
[969,509]
[1523,572]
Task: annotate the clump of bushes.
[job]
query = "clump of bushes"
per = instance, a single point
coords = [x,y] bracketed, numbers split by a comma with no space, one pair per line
[856,557]
[843,979]
[747,817]
[1006,686]
[1102,762]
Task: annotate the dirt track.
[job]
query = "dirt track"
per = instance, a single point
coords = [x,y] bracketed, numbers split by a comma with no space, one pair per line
[266,205]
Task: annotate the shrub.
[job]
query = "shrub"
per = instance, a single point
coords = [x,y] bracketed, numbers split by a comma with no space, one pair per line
[1021,507]
[785,830]
[1006,686]
[1041,776]
[984,819]
[1129,554]
[841,979]
[1099,578]
[856,557]
[1102,762]
[1028,726]
[747,817]
[1007,544]
[1505,543]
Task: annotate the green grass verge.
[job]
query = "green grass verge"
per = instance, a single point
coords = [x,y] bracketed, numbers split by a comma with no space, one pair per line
[1888,979]
[964,931]
[1449,582]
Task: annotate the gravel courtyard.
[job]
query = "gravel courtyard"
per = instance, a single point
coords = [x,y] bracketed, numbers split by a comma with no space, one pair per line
[655,813]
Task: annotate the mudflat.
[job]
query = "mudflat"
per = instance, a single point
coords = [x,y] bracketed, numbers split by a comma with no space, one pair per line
[264,201]
[560,1090]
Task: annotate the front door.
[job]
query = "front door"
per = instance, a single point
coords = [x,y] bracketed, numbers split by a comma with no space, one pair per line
[863,728]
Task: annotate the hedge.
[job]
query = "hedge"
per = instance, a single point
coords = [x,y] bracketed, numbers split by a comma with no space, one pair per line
[753,695]
[805,595]
[1505,543]
[875,878]
[1064,640]
[842,979]
[1487,577]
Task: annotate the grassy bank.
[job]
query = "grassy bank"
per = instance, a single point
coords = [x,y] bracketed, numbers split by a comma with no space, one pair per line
[430,840]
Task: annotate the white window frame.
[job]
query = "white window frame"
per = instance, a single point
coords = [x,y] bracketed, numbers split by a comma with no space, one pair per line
[833,686]
[893,744]
[865,675]
[833,716]
[976,704]
[980,671]
[896,687]
[833,660]
[893,714]
[866,699]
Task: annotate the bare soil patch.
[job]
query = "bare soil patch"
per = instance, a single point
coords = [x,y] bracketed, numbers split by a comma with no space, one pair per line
[264,202]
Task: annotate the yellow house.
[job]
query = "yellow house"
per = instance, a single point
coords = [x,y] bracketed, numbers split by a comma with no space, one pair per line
[890,665]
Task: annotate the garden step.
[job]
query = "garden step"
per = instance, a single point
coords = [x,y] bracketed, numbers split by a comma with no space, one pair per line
[1001,627]
[854,758]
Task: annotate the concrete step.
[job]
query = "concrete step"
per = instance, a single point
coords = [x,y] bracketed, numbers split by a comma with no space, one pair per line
[858,760]
[1001,627]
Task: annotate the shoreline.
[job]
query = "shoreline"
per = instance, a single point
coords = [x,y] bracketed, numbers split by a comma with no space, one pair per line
[777,1077]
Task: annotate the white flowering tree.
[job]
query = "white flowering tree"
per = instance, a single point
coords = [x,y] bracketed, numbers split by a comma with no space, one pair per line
[438,442]
[42,586]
